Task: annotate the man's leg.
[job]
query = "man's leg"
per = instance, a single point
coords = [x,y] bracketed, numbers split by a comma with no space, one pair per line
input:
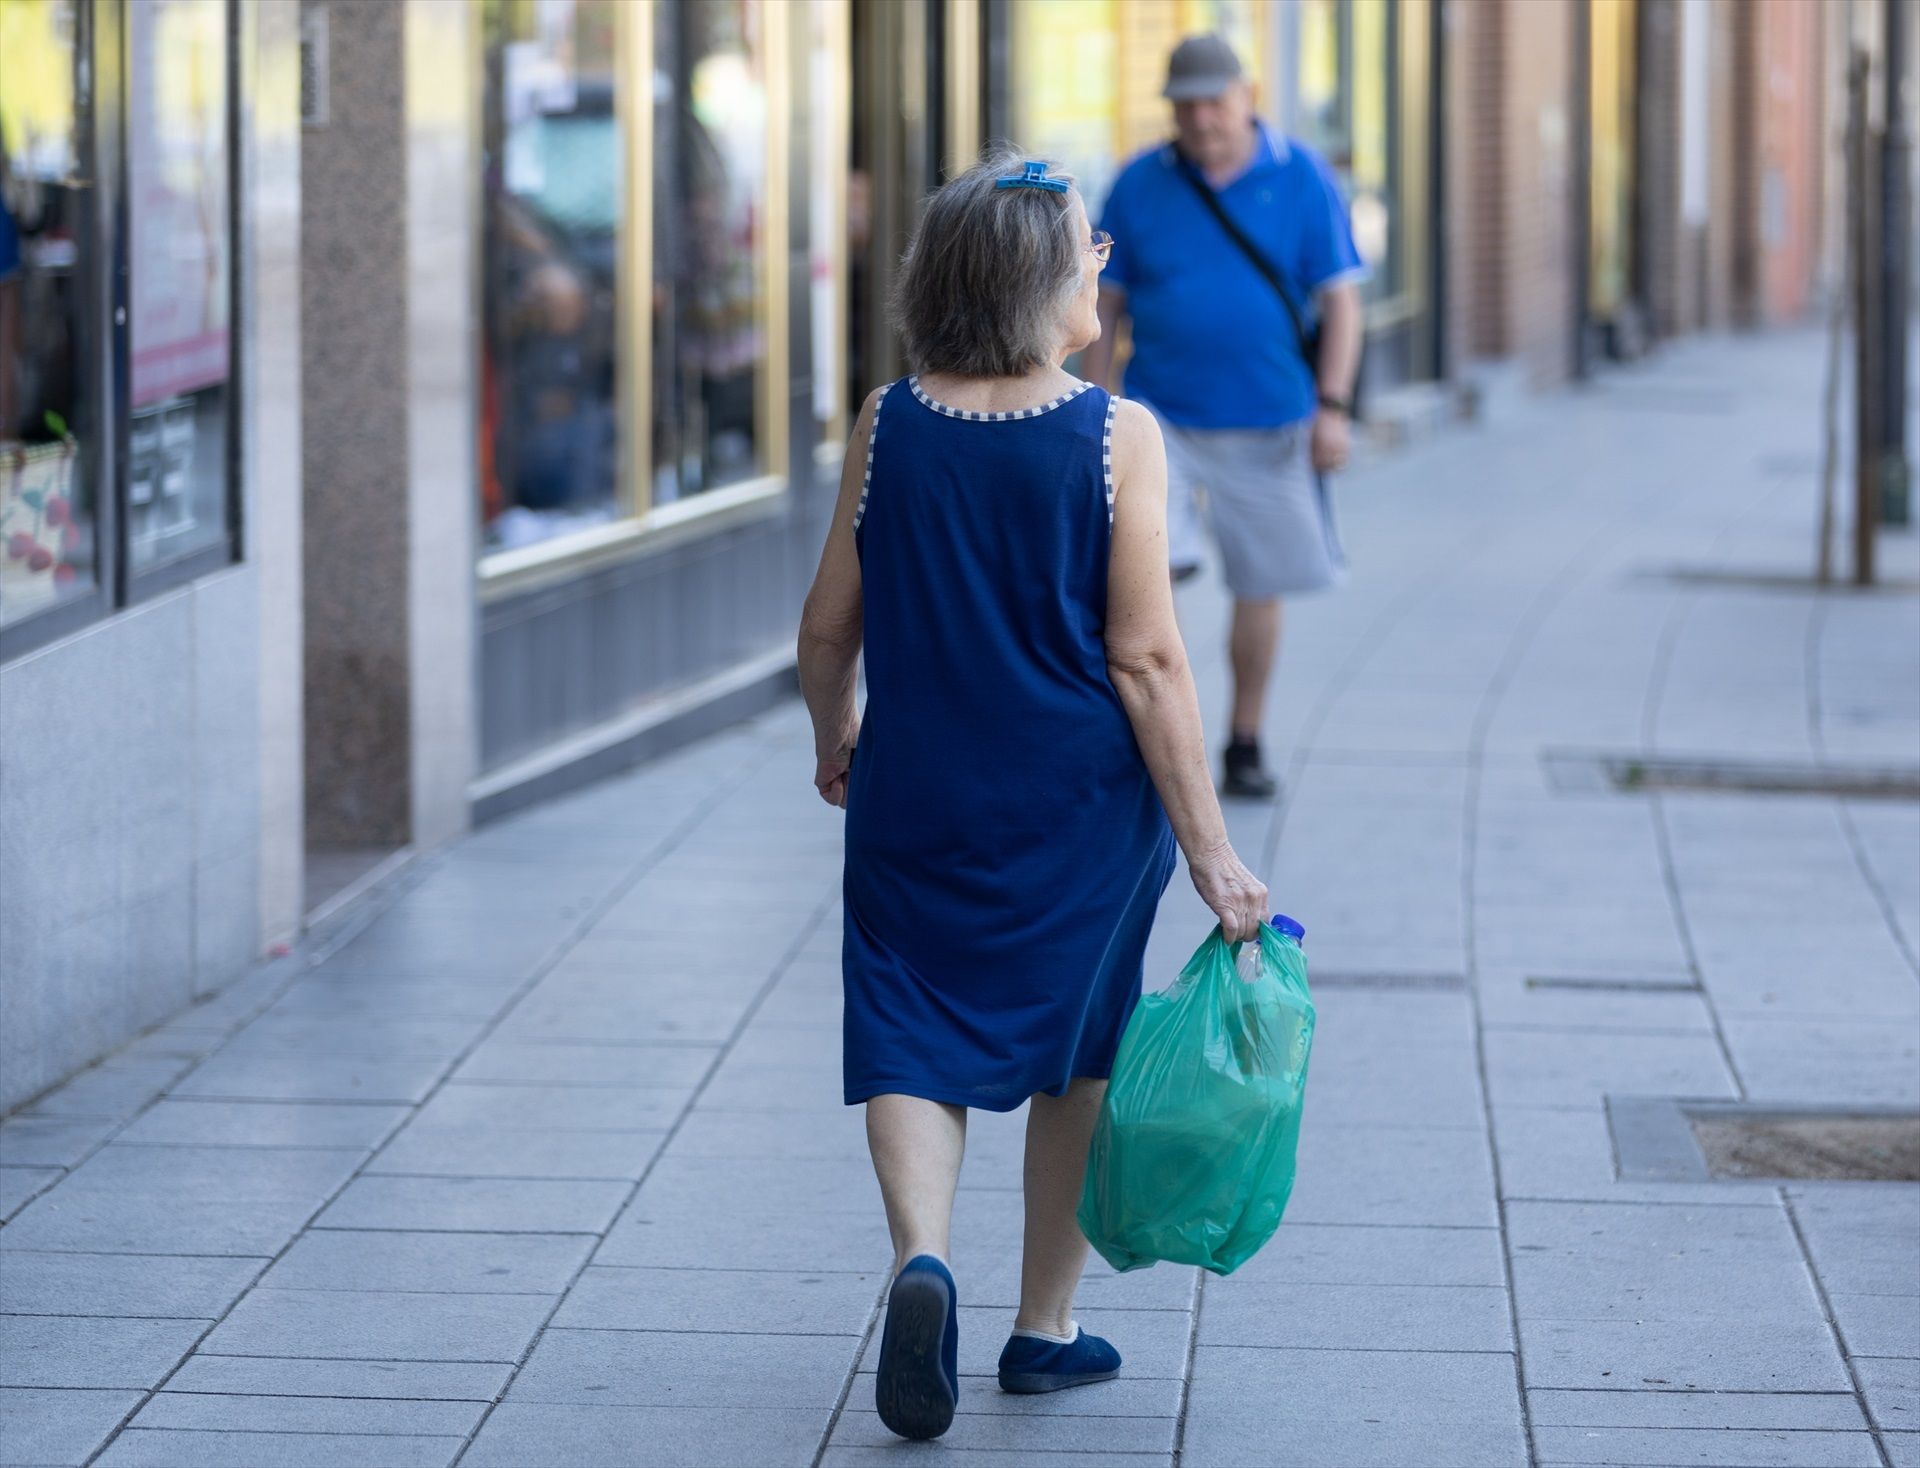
[1252,646]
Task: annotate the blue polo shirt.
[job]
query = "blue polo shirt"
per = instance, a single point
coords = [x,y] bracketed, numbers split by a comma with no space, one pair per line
[1212,346]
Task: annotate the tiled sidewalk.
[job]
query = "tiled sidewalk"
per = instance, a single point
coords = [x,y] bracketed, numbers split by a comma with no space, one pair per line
[546,1165]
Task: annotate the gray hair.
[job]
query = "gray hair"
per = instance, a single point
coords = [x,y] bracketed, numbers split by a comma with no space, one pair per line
[989,273]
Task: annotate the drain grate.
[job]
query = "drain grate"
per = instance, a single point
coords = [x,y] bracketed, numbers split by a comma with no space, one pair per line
[1732,579]
[1671,1139]
[1863,1148]
[1586,772]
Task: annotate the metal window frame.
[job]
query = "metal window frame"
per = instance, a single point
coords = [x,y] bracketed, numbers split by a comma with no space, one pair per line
[138,586]
[101,123]
[97,110]
[644,527]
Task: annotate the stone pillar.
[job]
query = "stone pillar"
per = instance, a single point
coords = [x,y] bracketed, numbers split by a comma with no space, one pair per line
[387,294]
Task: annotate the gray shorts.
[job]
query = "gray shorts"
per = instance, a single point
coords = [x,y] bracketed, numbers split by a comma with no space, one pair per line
[1269,511]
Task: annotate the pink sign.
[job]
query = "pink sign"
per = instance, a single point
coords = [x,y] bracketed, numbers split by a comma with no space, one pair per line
[177,177]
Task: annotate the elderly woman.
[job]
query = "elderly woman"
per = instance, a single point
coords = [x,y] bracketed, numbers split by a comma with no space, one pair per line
[1030,751]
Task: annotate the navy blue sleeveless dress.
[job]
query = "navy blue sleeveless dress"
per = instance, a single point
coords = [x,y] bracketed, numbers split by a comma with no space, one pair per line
[1005,847]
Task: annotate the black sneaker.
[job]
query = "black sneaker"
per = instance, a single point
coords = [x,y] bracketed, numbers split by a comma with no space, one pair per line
[1243,776]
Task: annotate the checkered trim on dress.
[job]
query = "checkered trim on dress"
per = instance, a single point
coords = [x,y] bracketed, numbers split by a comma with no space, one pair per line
[939,407]
[1106,455]
[866,481]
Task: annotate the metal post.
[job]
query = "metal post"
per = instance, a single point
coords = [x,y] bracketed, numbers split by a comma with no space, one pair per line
[1896,151]
[1867,339]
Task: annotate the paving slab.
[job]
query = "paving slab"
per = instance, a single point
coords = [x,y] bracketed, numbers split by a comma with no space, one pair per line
[173,1123]
[145,1448]
[860,1426]
[102,1222]
[476,1204]
[567,1108]
[51,1141]
[1442,1388]
[354,1324]
[20,1185]
[1125,1396]
[729,1301]
[1702,1353]
[1878,1324]
[942,1452]
[1346,1254]
[520,1433]
[522,1152]
[1892,1391]
[1252,1439]
[1716,1411]
[54,1426]
[314,1077]
[465,1381]
[1346,1317]
[1437,1176]
[226,1412]
[384,1259]
[1731,1449]
[91,1351]
[682,1368]
[52,1283]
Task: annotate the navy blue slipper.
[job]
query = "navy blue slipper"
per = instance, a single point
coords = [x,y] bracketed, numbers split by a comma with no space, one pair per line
[919,1382]
[1039,1363]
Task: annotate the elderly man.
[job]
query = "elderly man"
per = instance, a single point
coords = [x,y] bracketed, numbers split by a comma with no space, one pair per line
[1234,245]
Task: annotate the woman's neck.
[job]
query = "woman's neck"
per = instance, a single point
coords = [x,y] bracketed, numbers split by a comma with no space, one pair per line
[997,394]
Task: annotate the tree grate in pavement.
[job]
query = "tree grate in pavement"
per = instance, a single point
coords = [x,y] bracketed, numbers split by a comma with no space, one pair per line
[1672,1139]
[1583,772]
[1733,579]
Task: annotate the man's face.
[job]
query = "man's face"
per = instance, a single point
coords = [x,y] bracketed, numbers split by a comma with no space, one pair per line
[1213,130]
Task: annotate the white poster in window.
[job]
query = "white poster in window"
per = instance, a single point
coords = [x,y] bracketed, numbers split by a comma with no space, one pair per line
[177,191]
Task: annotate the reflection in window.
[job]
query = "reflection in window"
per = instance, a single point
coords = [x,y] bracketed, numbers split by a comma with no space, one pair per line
[46,428]
[179,332]
[709,235]
[549,425]
[1346,106]
[1066,97]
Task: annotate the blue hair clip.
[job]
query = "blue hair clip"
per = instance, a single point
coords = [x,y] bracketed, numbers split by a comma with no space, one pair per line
[1032,176]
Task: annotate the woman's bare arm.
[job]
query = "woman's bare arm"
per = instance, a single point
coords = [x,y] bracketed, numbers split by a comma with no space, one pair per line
[1147,662]
[830,627]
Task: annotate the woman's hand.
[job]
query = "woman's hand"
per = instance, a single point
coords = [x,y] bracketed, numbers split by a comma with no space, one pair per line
[1236,896]
[830,770]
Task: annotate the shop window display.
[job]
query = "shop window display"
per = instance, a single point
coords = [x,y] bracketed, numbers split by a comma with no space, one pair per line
[47,430]
[710,236]
[550,447]
[179,183]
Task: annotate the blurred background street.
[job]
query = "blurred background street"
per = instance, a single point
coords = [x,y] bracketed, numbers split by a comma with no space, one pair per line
[419,939]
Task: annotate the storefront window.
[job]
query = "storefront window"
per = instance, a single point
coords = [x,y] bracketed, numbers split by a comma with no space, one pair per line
[48,433]
[1066,94]
[550,440]
[1347,106]
[710,238]
[180,285]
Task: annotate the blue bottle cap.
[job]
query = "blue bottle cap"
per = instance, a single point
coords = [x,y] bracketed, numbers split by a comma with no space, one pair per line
[1284,924]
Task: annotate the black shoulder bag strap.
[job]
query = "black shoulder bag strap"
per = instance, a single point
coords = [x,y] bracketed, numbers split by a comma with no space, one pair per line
[1308,342]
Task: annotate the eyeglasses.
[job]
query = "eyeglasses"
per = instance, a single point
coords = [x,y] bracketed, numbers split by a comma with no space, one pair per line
[1102,246]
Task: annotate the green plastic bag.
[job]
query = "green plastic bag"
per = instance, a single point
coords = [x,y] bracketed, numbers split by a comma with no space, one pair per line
[1193,1154]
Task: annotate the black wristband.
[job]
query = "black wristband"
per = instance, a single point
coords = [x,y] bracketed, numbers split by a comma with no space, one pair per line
[1339,405]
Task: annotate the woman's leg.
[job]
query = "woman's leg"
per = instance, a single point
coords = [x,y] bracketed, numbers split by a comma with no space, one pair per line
[917,1145]
[1058,1131]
